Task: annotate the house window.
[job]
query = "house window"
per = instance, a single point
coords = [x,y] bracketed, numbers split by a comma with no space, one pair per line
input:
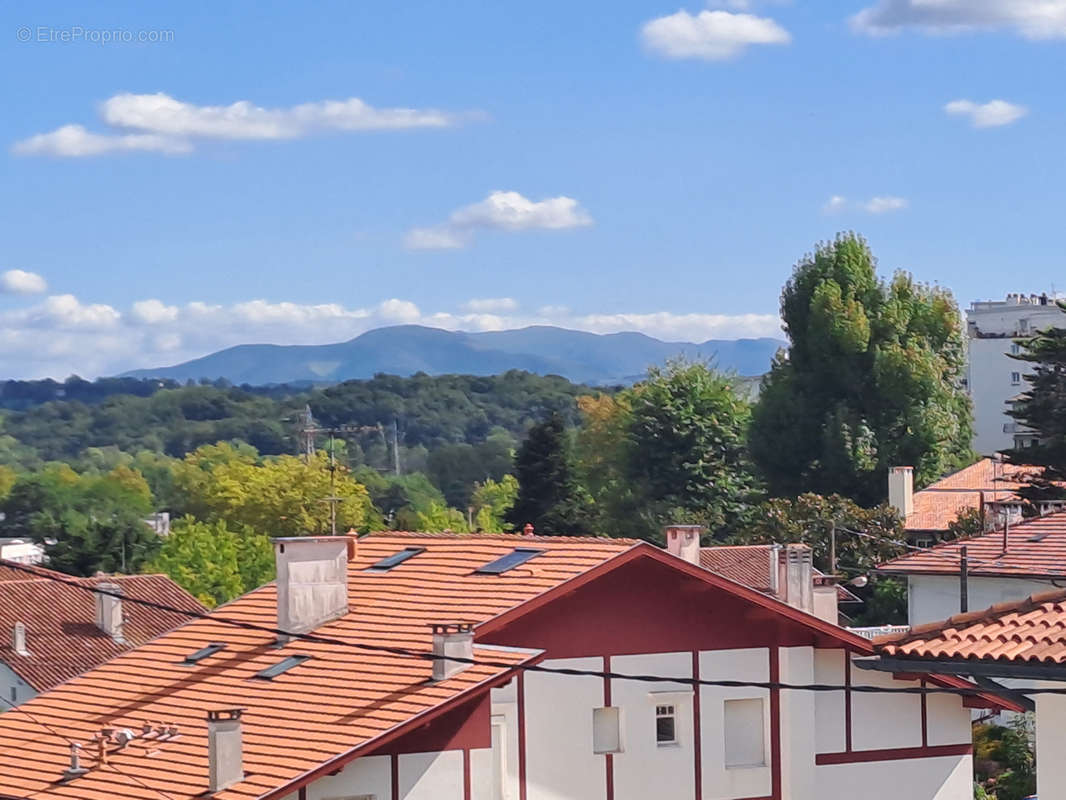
[1015,348]
[665,725]
[607,730]
[1015,378]
[745,740]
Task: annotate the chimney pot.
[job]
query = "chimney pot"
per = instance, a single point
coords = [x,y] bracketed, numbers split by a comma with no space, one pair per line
[527,529]
[798,569]
[901,490]
[225,748]
[109,609]
[451,641]
[312,581]
[683,541]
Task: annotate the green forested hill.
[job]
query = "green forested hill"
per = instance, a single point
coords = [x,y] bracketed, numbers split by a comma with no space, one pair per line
[50,421]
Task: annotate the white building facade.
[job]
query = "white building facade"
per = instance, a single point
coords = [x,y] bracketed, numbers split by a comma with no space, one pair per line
[994,378]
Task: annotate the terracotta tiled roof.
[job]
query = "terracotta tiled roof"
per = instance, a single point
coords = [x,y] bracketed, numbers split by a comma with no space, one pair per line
[61,633]
[940,503]
[336,702]
[13,571]
[1030,631]
[1035,548]
[746,564]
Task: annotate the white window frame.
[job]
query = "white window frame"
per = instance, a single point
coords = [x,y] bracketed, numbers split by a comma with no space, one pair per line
[603,716]
[1016,379]
[667,710]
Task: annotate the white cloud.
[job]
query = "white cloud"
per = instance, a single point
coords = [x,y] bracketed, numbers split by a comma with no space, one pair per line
[884,204]
[61,335]
[17,281]
[880,204]
[992,114]
[834,204]
[1033,19]
[161,123]
[482,305]
[73,141]
[502,211]
[710,35]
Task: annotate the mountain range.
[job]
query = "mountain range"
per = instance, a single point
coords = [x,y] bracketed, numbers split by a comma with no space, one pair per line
[579,356]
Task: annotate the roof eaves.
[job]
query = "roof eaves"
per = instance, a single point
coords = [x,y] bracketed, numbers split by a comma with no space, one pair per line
[339,761]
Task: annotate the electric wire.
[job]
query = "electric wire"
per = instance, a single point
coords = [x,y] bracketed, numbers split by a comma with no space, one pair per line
[521,667]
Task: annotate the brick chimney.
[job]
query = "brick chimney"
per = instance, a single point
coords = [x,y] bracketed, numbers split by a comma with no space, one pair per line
[312,581]
[901,490]
[683,541]
[451,640]
[225,749]
[109,619]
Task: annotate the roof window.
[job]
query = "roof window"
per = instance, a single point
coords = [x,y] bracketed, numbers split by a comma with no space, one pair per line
[203,653]
[517,557]
[284,665]
[395,559]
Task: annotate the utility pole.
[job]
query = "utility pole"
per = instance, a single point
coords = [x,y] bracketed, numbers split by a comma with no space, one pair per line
[309,432]
[833,547]
[395,448]
[964,576]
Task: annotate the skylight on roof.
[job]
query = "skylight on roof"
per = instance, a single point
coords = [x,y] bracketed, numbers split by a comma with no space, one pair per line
[282,666]
[517,557]
[395,559]
[204,652]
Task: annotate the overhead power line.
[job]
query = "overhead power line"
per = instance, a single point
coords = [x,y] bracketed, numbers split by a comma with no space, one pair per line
[426,655]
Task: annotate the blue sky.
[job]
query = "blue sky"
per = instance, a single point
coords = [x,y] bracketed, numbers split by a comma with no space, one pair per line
[657,166]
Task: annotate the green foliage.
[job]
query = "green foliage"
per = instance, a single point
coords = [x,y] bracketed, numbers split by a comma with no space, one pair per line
[212,561]
[1004,765]
[872,379]
[884,602]
[1042,408]
[455,468]
[492,502]
[970,522]
[88,523]
[810,518]
[280,496]
[549,495]
[670,449]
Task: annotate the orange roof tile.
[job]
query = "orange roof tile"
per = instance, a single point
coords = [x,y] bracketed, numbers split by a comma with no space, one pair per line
[1035,548]
[748,564]
[61,633]
[336,702]
[1029,631]
[14,571]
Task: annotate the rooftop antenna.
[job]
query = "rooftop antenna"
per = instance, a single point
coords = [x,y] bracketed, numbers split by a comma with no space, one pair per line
[309,433]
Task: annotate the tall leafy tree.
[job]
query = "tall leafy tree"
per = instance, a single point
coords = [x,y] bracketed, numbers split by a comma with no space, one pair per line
[872,378]
[549,494]
[1042,407]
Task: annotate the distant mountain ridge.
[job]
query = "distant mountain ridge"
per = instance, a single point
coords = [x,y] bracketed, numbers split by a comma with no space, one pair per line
[579,356]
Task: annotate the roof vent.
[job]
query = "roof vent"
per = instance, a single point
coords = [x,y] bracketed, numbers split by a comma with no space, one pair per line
[75,769]
[225,749]
[312,582]
[18,639]
[452,641]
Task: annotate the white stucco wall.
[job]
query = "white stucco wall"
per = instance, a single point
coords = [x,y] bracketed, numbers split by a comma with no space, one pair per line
[1050,746]
[947,778]
[747,665]
[12,688]
[371,775]
[931,598]
[797,714]
[560,764]
[647,769]
[431,776]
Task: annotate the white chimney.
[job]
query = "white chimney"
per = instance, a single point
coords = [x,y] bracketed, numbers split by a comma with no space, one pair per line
[796,582]
[109,609]
[451,641]
[775,570]
[684,541]
[312,581]
[825,599]
[225,749]
[901,490]
[18,639]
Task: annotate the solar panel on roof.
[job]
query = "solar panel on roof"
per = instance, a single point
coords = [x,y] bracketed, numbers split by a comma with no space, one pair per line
[204,652]
[395,559]
[282,666]
[517,557]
